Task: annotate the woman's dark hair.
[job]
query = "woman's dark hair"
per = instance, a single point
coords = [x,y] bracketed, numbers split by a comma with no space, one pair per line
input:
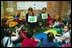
[44,8]
[30,9]
[29,34]
[50,36]
[7,32]
[48,15]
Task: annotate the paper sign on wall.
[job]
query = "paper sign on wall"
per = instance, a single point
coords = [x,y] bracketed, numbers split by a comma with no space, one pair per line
[32,19]
[34,4]
[44,16]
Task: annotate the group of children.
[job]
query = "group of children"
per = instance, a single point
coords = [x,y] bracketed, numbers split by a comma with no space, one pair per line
[23,37]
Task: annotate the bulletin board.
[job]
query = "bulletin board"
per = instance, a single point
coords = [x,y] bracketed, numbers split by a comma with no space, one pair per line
[36,5]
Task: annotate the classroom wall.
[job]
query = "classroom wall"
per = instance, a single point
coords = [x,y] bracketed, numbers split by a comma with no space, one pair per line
[65,7]
[53,7]
[58,7]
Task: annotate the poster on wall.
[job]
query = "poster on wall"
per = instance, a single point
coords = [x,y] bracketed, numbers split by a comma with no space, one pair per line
[32,19]
[35,5]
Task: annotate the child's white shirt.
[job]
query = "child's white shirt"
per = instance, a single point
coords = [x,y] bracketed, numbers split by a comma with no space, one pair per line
[67,35]
[14,38]
[10,44]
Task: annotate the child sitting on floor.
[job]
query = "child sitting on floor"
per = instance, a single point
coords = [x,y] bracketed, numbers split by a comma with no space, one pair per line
[6,41]
[16,17]
[29,41]
[66,35]
[22,17]
[23,34]
[57,21]
[49,21]
[49,42]
[65,38]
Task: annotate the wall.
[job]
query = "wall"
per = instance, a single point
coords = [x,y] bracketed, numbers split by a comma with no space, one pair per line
[2,10]
[65,7]
[53,7]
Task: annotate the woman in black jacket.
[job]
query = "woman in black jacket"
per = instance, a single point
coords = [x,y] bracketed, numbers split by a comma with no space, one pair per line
[32,26]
